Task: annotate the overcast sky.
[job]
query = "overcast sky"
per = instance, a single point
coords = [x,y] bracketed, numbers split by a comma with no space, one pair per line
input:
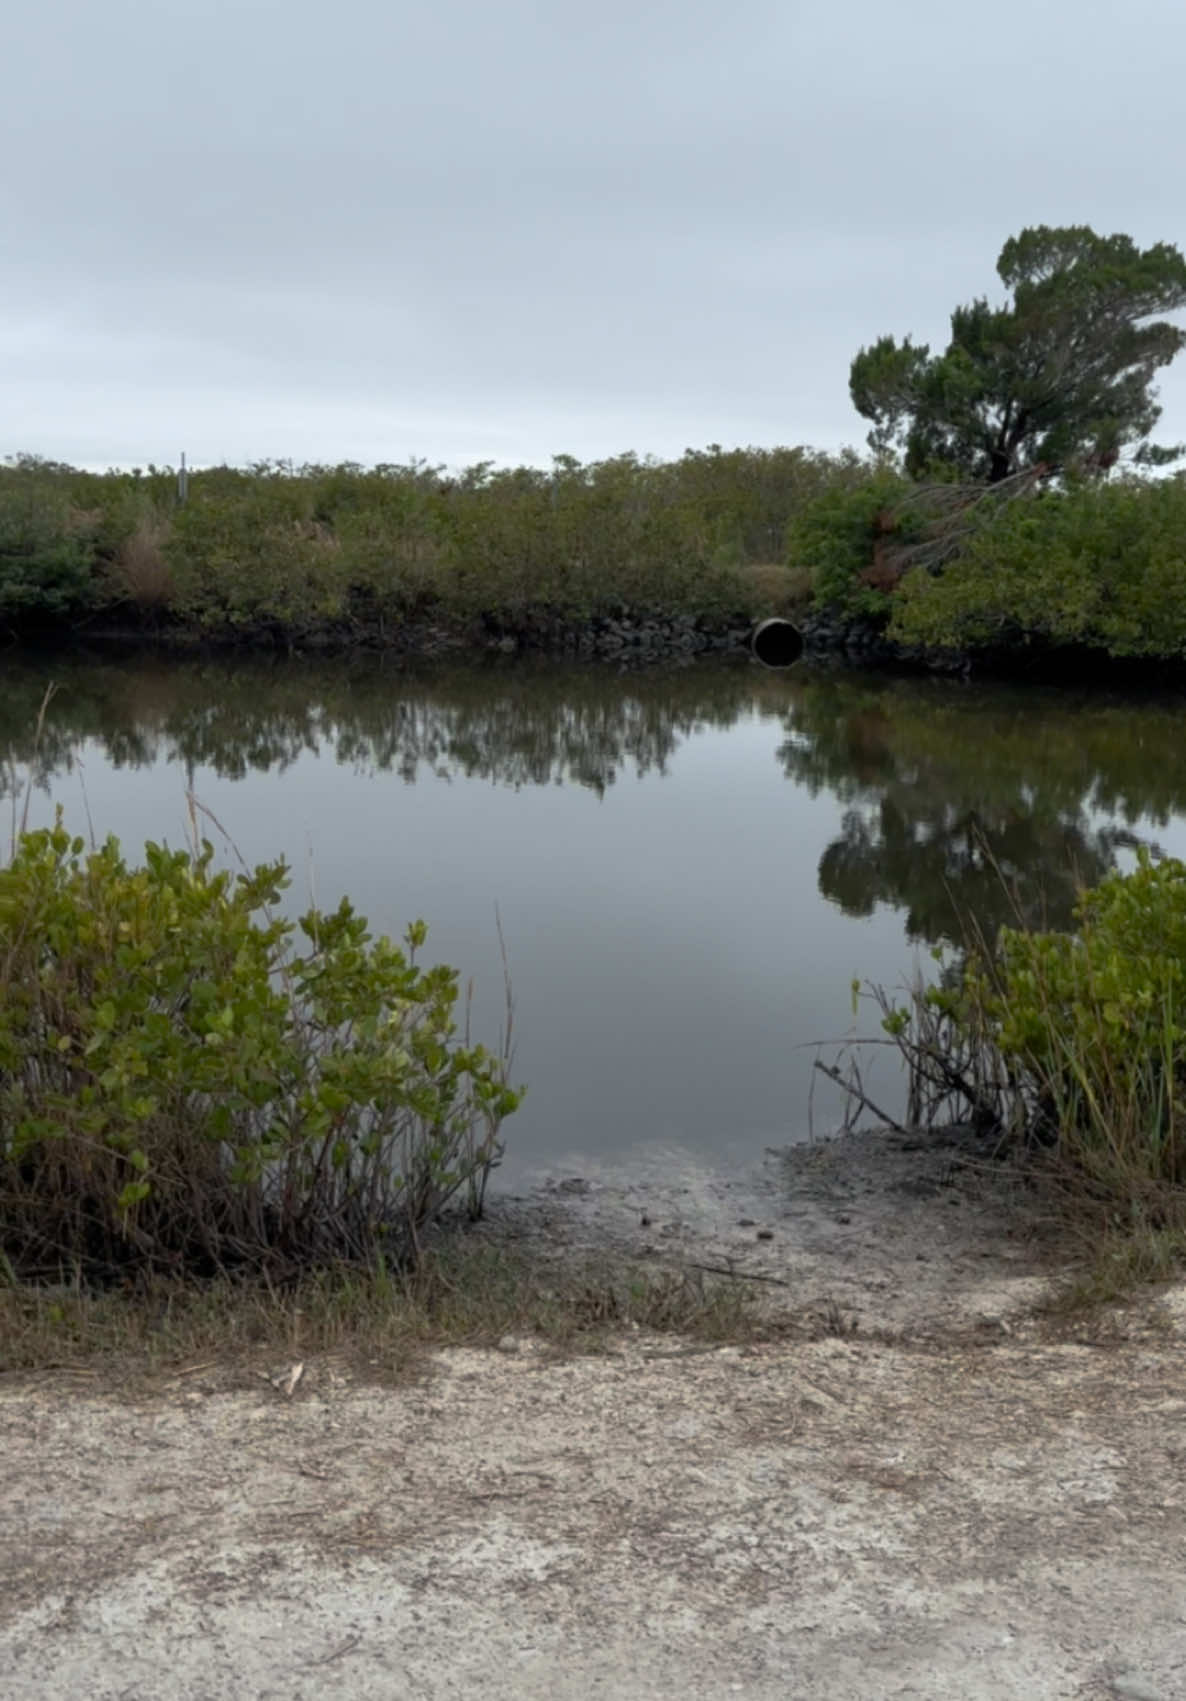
[373,230]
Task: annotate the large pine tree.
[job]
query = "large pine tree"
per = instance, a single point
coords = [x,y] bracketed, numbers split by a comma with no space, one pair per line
[1059,379]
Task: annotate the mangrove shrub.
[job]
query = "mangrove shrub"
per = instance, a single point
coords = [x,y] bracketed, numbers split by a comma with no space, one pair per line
[1083,1033]
[1099,565]
[185,1087]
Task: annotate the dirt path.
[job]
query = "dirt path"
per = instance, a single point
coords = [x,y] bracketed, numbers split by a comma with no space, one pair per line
[969,1505]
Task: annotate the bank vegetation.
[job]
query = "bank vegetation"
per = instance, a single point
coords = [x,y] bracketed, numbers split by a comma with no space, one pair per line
[346,555]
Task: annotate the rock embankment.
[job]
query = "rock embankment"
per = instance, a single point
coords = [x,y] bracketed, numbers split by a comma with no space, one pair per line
[625,637]
[860,641]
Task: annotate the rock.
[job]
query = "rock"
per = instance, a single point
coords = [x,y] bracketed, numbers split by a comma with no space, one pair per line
[1129,1687]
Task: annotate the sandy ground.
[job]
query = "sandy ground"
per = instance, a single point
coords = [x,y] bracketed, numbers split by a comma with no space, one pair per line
[962,1499]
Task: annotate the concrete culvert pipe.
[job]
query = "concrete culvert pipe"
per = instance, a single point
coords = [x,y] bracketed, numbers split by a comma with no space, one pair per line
[777,643]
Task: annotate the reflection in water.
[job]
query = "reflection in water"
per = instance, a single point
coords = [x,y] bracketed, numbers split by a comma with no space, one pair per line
[944,787]
[691,863]
[947,789]
[517,725]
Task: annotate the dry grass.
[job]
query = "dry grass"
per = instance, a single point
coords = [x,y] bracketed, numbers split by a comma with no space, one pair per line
[140,570]
[467,1290]
[772,588]
[1111,1254]
[1120,1265]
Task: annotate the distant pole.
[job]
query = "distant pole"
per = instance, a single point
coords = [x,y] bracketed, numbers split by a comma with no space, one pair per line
[182,482]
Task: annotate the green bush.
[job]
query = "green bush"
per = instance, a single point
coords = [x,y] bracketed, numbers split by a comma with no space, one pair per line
[255,563]
[580,541]
[277,553]
[837,533]
[1077,1040]
[46,549]
[182,1089]
[1101,565]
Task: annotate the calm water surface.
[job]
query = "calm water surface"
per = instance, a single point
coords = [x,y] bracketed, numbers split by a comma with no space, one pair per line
[690,865]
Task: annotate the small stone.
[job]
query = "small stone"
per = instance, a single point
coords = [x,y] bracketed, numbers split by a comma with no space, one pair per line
[765,1234]
[1129,1687]
[644,1221]
[745,1222]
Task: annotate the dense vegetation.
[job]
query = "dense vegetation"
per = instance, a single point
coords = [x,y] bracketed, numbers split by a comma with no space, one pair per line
[1086,569]
[998,520]
[1073,1042]
[1101,566]
[276,553]
[993,517]
[184,1092]
[273,556]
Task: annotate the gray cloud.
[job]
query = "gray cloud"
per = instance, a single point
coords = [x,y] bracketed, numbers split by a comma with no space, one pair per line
[467,231]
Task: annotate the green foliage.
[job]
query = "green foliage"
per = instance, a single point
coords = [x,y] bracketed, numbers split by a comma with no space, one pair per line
[182,1089]
[1096,565]
[1076,1040]
[277,553]
[1095,1023]
[838,535]
[256,562]
[45,547]
[1061,378]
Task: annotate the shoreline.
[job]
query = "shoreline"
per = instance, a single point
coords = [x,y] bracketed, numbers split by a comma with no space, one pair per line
[622,639]
[929,1235]
[630,641]
[955,1499]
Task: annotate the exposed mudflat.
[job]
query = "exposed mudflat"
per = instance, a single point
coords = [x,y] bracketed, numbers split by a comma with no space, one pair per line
[961,1499]
[926,1236]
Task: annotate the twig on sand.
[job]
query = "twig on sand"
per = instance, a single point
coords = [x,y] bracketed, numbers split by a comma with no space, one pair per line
[335,1653]
[739,1275]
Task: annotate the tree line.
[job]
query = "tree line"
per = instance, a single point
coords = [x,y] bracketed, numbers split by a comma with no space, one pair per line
[281,552]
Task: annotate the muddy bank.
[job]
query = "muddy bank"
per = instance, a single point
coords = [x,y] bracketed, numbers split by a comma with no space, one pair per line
[900,1236]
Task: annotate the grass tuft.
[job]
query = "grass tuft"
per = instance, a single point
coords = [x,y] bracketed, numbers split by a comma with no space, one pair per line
[141,572]
[464,1291]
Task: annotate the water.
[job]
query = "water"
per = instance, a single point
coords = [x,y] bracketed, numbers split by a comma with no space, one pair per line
[690,865]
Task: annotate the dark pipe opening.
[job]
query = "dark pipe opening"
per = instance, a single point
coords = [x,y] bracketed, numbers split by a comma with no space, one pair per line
[777,643]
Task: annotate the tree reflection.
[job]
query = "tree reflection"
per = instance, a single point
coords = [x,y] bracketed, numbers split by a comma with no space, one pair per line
[986,802]
[941,788]
[518,725]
